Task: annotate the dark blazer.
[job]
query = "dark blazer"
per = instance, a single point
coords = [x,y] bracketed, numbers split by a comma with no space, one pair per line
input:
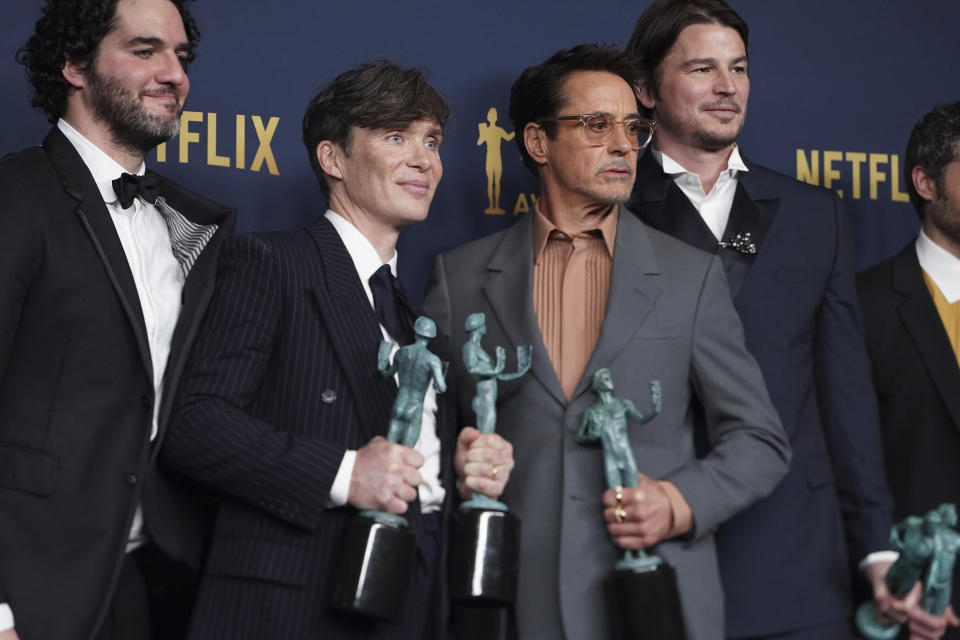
[785,560]
[668,317]
[76,392]
[282,381]
[917,380]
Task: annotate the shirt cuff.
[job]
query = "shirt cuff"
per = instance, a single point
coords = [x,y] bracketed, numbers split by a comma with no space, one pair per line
[340,489]
[681,520]
[6,617]
[879,556]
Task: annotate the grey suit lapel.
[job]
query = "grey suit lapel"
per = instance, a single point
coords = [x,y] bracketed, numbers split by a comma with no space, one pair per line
[509,289]
[633,291]
[923,323]
[93,216]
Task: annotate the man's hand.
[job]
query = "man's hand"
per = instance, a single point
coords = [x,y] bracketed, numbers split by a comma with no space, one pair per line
[923,625]
[926,626]
[483,462]
[385,476]
[10,634]
[645,514]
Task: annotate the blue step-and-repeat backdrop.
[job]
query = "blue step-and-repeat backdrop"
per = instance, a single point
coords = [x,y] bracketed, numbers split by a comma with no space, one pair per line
[836,86]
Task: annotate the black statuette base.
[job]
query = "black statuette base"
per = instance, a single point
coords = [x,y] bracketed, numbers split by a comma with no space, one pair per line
[484,555]
[376,562]
[645,604]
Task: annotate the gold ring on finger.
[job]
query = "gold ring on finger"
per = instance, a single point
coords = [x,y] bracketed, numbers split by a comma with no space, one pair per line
[620,514]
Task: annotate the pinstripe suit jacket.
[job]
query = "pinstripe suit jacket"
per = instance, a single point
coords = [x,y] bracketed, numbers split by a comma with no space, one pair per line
[282,381]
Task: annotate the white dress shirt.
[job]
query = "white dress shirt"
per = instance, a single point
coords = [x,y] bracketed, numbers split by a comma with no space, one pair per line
[367,261]
[157,274]
[714,207]
[941,265]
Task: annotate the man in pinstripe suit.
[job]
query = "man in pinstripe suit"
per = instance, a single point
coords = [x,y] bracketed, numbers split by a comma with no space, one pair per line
[282,408]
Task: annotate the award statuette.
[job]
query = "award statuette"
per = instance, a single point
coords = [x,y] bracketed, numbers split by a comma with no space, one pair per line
[377,557]
[642,589]
[928,549]
[485,536]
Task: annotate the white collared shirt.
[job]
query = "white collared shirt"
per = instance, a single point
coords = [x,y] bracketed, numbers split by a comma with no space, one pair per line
[367,261]
[146,244]
[941,265]
[714,207]
[157,275]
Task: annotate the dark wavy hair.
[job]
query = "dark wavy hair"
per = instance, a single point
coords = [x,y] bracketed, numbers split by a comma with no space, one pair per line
[538,95]
[74,29]
[375,95]
[934,143]
[660,25]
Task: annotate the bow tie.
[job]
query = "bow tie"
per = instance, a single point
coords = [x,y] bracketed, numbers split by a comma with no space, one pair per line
[129,186]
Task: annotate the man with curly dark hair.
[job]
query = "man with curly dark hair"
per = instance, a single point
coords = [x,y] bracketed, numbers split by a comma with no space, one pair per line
[105,271]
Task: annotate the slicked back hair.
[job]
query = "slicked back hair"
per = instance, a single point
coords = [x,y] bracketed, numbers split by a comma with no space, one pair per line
[660,25]
[538,94]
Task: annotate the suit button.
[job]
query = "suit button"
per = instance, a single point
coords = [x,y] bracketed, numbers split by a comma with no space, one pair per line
[132,479]
[328,396]
[146,401]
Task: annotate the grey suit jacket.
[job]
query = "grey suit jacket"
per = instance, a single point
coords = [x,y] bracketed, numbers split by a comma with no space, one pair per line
[669,317]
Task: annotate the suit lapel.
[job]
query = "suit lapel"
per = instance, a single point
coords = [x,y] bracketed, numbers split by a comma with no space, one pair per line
[746,217]
[509,289]
[353,329]
[923,323]
[95,219]
[660,203]
[633,291]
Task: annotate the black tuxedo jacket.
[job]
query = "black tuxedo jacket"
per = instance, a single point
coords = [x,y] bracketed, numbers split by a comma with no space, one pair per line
[784,560]
[77,393]
[917,380]
[282,381]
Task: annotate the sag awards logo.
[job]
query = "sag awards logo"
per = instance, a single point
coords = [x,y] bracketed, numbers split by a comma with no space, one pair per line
[202,132]
[493,136]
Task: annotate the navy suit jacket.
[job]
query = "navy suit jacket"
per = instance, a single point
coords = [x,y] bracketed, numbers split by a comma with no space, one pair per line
[917,379]
[77,393]
[282,381]
[785,560]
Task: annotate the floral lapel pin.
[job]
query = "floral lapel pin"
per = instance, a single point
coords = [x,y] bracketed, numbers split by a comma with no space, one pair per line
[742,242]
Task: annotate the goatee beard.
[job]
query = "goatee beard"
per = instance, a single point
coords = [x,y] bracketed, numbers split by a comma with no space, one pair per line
[131,126]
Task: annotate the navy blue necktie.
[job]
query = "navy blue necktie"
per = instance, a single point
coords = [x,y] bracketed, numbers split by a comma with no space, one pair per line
[390,303]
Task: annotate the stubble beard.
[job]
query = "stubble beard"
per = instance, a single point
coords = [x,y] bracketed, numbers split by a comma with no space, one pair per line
[713,142]
[131,125]
[945,216]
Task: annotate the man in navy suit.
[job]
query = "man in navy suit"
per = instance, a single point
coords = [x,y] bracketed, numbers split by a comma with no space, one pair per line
[910,312]
[105,271]
[785,247]
[283,410]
